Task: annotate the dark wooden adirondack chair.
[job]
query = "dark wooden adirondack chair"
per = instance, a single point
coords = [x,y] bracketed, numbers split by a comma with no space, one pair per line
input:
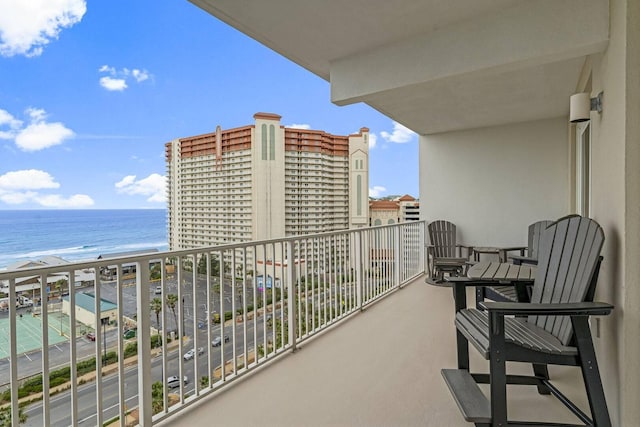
[444,253]
[556,331]
[508,293]
[533,243]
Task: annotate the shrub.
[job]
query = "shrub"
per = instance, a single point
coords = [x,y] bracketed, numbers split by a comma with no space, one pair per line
[86,366]
[131,349]
[156,341]
[110,357]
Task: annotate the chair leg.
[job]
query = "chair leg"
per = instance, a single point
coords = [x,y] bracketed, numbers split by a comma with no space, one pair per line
[541,371]
[497,371]
[590,372]
[480,295]
[462,345]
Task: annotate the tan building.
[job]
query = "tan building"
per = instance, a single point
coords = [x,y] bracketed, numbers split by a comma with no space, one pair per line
[264,181]
[399,209]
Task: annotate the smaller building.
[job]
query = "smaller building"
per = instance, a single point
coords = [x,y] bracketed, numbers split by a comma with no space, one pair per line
[394,210]
[409,208]
[129,268]
[31,284]
[86,309]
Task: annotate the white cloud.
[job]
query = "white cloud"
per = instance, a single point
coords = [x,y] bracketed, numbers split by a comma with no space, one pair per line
[140,75]
[37,135]
[57,201]
[400,134]
[373,140]
[377,191]
[107,69]
[117,79]
[16,197]
[17,188]
[153,186]
[36,114]
[299,126]
[29,179]
[10,122]
[112,84]
[126,181]
[26,26]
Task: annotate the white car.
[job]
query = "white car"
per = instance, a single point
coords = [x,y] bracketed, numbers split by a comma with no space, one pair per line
[174,381]
[217,340]
[158,290]
[191,353]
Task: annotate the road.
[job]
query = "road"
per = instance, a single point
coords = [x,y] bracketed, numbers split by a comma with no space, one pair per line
[61,404]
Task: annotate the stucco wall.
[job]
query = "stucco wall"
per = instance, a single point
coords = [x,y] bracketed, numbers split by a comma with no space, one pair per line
[494,182]
[616,206]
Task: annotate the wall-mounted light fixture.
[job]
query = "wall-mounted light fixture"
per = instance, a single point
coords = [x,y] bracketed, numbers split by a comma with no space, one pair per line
[582,104]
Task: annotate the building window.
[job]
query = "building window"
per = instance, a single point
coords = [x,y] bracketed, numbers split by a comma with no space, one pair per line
[272,142]
[359,194]
[264,142]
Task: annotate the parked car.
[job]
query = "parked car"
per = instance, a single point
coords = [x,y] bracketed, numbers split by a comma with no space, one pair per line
[217,340]
[158,290]
[131,333]
[174,381]
[91,336]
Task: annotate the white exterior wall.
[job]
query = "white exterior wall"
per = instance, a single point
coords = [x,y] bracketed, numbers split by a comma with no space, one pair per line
[493,182]
[385,217]
[616,206]
[268,176]
[359,180]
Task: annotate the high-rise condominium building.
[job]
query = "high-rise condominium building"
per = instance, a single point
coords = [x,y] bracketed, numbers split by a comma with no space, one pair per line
[264,181]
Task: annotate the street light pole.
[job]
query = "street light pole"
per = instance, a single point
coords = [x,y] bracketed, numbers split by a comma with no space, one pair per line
[104,321]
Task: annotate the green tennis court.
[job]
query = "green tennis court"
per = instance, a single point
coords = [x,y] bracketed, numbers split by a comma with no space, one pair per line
[28,333]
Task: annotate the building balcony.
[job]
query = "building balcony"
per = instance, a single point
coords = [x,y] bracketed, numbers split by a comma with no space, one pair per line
[379,368]
[371,355]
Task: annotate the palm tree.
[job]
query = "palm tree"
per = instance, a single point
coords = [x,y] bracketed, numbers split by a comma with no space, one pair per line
[172,301]
[5,417]
[156,307]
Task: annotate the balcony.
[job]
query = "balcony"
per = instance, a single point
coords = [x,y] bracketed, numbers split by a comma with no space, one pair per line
[276,296]
[380,368]
[372,355]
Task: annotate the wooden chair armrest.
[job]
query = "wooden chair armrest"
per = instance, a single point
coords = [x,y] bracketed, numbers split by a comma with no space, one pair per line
[521,249]
[523,260]
[555,309]
[469,249]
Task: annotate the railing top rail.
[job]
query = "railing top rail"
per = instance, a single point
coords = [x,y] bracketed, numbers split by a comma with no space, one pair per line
[157,256]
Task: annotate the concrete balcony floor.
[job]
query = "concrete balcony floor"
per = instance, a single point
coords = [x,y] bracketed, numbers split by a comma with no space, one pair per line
[379,368]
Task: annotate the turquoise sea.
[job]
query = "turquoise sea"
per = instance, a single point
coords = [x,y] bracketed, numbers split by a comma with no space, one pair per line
[79,234]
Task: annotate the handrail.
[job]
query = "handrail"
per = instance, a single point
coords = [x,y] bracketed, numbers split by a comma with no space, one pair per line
[270,296]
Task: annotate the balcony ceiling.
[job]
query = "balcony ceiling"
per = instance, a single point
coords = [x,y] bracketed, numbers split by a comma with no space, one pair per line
[434,65]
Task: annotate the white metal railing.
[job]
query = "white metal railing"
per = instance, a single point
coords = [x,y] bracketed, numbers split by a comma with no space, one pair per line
[236,306]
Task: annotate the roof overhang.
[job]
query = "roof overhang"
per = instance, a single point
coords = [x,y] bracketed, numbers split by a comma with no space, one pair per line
[434,65]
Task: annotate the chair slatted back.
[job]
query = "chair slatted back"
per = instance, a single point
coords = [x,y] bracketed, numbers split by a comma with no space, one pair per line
[442,235]
[569,254]
[533,241]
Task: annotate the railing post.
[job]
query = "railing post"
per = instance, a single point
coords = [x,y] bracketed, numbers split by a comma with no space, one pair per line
[291,297]
[13,351]
[144,347]
[422,236]
[357,271]
[397,249]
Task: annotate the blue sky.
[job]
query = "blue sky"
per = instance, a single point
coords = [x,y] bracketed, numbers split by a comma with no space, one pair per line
[91,91]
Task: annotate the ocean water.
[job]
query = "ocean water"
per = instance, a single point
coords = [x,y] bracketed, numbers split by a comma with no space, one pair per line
[79,234]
